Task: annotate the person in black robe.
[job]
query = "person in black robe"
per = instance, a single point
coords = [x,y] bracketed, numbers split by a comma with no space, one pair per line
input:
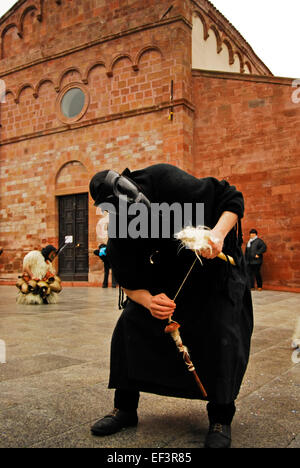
[214,306]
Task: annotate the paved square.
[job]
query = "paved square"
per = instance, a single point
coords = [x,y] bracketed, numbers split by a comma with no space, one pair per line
[53,385]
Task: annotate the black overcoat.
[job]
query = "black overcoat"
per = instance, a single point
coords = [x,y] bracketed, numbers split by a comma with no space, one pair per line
[257,247]
[214,307]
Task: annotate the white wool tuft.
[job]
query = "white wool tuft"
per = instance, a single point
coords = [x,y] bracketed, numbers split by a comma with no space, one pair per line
[296,336]
[195,238]
[35,299]
[29,299]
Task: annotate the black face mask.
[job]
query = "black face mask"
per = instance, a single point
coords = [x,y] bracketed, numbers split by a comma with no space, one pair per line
[47,250]
[118,188]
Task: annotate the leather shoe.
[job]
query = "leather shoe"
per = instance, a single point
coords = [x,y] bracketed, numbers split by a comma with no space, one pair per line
[218,436]
[114,422]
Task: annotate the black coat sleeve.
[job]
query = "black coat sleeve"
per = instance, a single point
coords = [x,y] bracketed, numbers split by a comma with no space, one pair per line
[261,247]
[228,198]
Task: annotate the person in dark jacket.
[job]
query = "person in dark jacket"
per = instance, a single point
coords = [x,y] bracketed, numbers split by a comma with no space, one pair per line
[254,259]
[101,252]
[213,308]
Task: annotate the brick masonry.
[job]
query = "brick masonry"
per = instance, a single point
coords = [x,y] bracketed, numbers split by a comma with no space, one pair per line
[249,136]
[124,54]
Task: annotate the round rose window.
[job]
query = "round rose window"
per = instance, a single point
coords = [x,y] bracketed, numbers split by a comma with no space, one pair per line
[72,103]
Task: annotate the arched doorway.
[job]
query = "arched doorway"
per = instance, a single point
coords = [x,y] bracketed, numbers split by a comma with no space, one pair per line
[72,197]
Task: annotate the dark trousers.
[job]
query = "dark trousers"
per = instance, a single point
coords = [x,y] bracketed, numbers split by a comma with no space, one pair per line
[254,274]
[106,275]
[128,400]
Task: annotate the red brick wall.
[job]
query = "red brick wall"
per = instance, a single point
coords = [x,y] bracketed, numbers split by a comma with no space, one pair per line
[126,124]
[40,28]
[124,56]
[246,130]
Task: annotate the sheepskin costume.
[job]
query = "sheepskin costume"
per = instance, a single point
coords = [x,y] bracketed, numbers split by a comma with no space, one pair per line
[37,264]
[39,267]
[296,336]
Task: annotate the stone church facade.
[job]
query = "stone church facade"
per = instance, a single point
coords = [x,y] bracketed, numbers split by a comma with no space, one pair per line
[98,84]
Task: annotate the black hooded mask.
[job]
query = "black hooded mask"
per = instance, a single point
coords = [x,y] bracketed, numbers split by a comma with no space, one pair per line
[47,250]
[111,187]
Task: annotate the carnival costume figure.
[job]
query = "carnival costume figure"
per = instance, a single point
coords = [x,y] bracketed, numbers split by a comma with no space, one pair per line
[39,283]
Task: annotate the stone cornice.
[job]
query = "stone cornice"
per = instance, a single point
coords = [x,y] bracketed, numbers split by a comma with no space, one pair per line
[270,79]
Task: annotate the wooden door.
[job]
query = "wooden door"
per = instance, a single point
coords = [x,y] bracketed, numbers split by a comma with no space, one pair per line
[73,221]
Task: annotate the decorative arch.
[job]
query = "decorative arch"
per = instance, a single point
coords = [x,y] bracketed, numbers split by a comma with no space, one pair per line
[9,91]
[248,65]
[99,63]
[37,6]
[3,33]
[143,51]
[40,83]
[116,60]
[70,168]
[240,57]
[68,162]
[62,75]
[21,89]
[22,18]
[8,27]
[197,14]
[63,161]
[230,51]
[218,37]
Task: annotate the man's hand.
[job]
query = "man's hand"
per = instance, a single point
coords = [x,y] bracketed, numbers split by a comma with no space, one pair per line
[216,242]
[217,235]
[161,307]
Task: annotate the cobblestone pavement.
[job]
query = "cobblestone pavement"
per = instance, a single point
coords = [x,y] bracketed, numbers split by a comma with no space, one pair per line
[53,385]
